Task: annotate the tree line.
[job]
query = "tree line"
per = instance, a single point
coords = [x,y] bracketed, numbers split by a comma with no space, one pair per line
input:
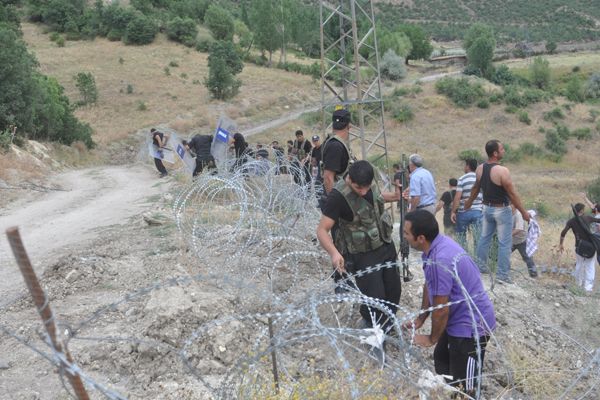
[31,104]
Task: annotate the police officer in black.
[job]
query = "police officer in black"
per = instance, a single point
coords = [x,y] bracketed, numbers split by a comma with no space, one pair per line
[200,146]
[159,139]
[335,159]
[335,151]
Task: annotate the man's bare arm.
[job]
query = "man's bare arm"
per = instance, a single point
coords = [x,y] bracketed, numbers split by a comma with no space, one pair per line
[439,321]
[328,180]
[389,197]
[475,189]
[508,185]
[414,202]
[325,225]
[455,205]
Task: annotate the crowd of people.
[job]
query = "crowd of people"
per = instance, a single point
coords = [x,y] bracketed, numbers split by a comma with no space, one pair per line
[356,229]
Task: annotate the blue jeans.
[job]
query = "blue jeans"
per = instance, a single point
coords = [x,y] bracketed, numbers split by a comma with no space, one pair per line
[465,220]
[496,220]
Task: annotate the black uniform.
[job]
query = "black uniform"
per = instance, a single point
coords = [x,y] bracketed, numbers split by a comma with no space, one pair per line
[200,146]
[157,161]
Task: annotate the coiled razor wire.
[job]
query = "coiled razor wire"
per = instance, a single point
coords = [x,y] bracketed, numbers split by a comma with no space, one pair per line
[252,231]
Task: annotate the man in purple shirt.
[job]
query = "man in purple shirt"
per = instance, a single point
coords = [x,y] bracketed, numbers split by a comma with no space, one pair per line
[451,276]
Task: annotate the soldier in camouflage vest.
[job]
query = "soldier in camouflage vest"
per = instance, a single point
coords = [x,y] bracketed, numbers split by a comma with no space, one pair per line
[364,237]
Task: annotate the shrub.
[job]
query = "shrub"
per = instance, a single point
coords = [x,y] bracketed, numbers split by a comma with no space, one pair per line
[598,127]
[223,64]
[114,20]
[554,114]
[575,90]
[54,36]
[173,64]
[470,154]
[539,73]
[503,76]
[524,117]
[555,143]
[6,138]
[541,208]
[392,66]
[86,84]
[460,91]
[496,97]
[511,109]
[563,131]
[182,30]
[203,44]
[530,149]
[60,42]
[61,14]
[401,91]
[140,30]
[512,155]
[121,60]
[551,47]
[594,114]
[195,9]
[141,106]
[129,88]
[167,71]
[522,97]
[592,87]
[114,35]
[582,133]
[483,103]
[403,113]
[220,22]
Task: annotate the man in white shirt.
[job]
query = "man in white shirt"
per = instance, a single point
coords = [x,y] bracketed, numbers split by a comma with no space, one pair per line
[519,241]
[467,219]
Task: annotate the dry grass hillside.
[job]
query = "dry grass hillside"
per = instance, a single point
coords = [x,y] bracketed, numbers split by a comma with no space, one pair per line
[439,130]
[177,97]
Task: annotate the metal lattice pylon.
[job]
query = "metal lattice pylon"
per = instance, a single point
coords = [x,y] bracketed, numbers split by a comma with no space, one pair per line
[350,74]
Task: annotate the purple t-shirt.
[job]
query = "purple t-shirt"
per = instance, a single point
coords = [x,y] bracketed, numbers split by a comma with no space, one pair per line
[443,264]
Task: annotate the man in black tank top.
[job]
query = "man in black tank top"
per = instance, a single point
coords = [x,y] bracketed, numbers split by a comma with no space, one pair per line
[495,182]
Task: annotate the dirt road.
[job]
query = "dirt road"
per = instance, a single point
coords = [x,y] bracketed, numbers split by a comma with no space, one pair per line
[88,200]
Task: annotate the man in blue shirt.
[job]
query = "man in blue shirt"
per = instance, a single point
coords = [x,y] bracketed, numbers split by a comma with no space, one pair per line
[422,188]
[460,330]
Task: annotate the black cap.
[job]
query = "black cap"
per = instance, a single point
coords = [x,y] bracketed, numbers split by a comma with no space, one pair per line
[315,138]
[340,119]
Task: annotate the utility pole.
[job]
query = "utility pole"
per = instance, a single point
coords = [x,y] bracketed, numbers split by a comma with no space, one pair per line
[350,75]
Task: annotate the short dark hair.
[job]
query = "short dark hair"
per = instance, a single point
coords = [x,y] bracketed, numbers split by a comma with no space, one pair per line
[299,132]
[290,142]
[579,207]
[491,146]
[361,173]
[423,223]
[452,182]
[471,163]
[152,130]
[396,166]
[184,142]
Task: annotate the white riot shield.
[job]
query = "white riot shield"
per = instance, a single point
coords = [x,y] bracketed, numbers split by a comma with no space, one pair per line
[226,128]
[182,153]
[165,153]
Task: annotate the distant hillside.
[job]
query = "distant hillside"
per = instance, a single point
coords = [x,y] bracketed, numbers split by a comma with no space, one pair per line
[516,20]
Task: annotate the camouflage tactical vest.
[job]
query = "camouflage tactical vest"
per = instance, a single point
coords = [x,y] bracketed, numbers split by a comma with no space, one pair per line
[348,151]
[371,226]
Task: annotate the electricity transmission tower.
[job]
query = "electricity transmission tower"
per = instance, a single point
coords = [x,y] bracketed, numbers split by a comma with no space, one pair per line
[350,74]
